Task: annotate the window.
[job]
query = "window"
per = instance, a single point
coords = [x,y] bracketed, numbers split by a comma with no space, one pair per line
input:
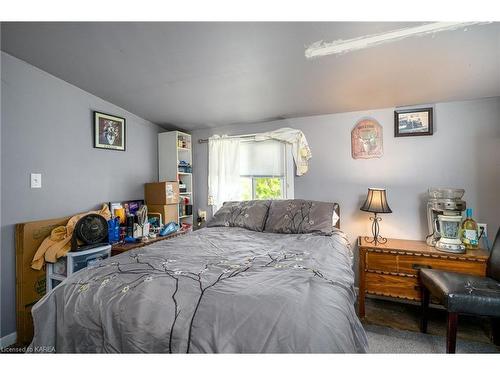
[261,188]
[265,168]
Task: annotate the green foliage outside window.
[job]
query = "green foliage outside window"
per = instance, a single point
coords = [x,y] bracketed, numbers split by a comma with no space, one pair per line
[265,188]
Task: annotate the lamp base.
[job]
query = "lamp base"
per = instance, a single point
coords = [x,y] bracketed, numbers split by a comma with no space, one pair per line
[376,237]
[376,240]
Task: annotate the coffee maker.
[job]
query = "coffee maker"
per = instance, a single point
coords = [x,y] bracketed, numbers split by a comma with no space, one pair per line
[444,217]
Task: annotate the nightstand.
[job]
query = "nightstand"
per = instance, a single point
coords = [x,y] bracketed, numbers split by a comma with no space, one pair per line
[391,269]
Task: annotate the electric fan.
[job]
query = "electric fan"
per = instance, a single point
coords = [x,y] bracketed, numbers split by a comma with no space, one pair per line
[92,231]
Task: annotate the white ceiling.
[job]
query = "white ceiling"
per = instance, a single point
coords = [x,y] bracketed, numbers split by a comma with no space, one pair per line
[194,75]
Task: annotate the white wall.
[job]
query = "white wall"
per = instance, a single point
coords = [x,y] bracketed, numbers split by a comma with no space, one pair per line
[464,152]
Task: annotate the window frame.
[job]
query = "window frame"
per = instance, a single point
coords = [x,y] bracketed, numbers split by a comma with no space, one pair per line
[287,179]
[289,173]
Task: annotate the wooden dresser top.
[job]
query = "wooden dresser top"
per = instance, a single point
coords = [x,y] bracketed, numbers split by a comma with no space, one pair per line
[420,247]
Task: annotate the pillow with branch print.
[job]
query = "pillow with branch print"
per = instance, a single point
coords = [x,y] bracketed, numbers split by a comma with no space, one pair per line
[246,214]
[300,216]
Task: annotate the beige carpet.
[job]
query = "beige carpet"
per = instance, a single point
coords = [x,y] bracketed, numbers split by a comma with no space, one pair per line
[402,320]
[389,340]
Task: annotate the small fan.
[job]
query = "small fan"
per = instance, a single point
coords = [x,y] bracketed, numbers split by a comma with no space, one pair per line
[92,231]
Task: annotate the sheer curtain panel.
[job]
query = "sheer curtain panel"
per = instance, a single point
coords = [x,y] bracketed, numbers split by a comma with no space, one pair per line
[223,170]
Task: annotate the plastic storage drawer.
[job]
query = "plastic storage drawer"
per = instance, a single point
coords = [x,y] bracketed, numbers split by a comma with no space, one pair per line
[73,262]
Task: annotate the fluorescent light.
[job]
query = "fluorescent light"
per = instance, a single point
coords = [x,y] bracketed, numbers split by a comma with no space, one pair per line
[322,48]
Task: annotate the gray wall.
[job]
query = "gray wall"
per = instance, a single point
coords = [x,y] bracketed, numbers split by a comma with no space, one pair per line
[47,128]
[464,152]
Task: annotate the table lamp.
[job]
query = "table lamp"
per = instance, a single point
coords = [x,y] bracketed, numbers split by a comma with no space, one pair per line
[376,202]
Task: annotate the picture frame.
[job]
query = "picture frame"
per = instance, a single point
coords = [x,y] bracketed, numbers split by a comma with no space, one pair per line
[413,122]
[109,131]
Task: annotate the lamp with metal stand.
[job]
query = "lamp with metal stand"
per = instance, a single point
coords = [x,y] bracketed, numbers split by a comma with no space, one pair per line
[376,202]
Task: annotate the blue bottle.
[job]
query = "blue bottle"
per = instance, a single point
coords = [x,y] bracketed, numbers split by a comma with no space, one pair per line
[114,230]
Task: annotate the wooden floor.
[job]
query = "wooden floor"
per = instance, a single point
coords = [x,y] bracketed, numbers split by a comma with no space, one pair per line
[405,316]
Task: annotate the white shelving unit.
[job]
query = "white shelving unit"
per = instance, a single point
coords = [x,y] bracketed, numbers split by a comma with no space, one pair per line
[170,153]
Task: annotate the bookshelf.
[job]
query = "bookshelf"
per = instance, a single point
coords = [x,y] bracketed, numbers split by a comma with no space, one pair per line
[174,148]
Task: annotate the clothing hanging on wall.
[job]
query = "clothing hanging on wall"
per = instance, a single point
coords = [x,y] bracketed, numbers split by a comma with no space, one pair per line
[300,148]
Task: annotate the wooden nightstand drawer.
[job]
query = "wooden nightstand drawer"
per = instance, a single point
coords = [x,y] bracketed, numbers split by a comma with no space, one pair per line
[391,269]
[392,286]
[411,264]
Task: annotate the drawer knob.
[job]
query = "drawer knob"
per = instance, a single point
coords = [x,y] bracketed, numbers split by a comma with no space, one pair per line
[417,266]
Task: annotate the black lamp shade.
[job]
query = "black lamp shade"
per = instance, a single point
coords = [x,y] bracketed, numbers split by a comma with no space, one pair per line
[376,201]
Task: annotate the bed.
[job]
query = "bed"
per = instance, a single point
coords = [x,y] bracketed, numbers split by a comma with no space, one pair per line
[223,289]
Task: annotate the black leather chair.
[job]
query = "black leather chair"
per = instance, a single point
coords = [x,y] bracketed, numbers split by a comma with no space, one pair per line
[464,294]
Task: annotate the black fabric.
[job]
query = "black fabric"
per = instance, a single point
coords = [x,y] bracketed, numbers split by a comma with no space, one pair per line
[494,261]
[462,293]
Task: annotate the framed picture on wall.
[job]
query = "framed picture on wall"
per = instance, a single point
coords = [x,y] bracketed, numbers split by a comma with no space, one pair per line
[109,131]
[413,122]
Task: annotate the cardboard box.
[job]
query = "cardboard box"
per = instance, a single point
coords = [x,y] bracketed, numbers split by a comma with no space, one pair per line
[169,212]
[161,193]
[30,283]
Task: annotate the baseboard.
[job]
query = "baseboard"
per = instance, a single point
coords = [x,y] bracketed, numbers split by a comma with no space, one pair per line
[8,340]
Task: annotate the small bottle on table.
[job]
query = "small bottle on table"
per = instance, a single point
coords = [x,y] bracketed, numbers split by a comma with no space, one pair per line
[469,231]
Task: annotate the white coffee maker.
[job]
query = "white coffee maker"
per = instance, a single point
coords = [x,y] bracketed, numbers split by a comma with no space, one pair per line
[444,217]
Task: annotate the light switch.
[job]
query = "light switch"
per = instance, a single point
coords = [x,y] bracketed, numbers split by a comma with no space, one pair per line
[36,180]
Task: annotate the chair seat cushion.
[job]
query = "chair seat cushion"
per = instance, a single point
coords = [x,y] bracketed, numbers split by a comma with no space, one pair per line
[462,293]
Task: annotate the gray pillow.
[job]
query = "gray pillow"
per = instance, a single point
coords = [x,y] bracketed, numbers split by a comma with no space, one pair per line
[300,216]
[246,214]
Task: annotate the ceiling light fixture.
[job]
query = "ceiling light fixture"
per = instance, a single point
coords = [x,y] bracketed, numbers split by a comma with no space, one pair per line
[322,48]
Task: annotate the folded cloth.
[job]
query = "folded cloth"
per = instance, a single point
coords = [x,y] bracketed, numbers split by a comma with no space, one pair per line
[58,243]
[300,149]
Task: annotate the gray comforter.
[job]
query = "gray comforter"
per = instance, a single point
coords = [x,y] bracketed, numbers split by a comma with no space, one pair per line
[216,290]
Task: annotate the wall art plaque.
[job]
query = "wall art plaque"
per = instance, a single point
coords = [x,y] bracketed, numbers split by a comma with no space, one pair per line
[367,139]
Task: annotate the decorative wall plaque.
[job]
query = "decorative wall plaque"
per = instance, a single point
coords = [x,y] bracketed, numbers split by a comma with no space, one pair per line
[367,140]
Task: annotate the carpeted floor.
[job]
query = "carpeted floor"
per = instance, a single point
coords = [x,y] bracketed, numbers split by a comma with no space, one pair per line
[390,340]
[393,327]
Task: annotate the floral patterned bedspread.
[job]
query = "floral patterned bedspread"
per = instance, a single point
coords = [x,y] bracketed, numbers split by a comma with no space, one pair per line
[216,290]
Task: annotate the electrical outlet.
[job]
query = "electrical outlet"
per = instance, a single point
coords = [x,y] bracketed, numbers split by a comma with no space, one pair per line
[202,214]
[482,228]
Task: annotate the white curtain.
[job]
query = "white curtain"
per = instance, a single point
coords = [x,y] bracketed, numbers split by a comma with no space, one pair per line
[223,170]
[300,148]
